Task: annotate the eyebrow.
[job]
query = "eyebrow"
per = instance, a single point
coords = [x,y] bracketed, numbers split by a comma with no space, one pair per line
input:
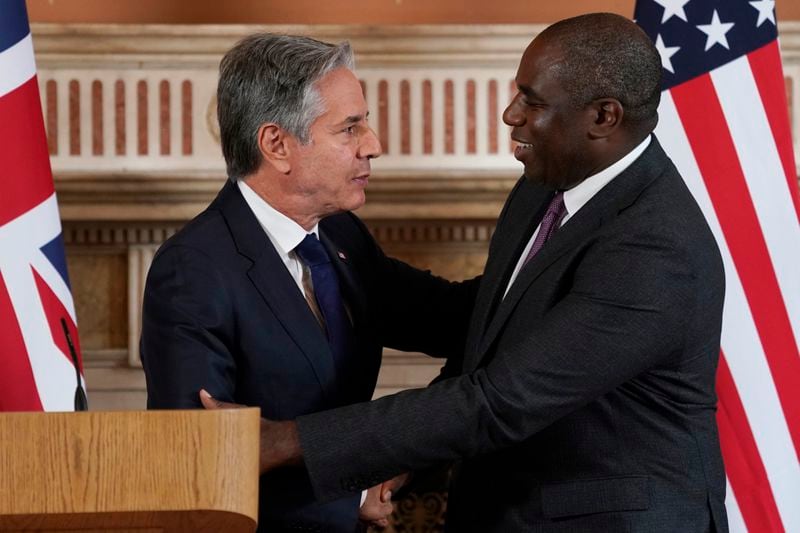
[527,91]
[353,119]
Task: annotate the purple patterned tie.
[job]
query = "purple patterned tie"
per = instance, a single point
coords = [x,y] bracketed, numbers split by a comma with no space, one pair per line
[550,222]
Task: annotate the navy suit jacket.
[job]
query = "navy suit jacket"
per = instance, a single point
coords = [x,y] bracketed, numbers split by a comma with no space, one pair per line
[222,312]
[585,399]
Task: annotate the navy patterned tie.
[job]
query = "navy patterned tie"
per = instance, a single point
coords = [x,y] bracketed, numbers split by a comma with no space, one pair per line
[329,300]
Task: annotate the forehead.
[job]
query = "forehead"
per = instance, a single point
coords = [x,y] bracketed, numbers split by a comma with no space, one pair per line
[341,93]
[540,63]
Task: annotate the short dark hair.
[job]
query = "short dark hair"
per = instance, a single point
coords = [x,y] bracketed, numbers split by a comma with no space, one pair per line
[608,56]
[270,78]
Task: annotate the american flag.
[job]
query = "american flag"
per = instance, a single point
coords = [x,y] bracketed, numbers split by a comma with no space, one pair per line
[36,368]
[724,122]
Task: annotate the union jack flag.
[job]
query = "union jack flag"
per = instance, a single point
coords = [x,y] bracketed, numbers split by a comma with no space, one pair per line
[724,122]
[36,368]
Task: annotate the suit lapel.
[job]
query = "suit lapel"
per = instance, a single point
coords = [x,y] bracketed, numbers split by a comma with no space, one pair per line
[566,238]
[604,206]
[528,208]
[276,286]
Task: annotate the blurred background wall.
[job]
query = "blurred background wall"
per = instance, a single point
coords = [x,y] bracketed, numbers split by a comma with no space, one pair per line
[313,12]
[128,98]
[336,12]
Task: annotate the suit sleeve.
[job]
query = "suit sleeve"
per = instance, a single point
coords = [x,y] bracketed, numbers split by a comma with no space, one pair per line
[414,309]
[609,327]
[425,313]
[185,331]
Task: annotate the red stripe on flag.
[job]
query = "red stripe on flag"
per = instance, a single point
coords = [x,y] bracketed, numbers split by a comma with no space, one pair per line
[704,122]
[768,73]
[18,387]
[27,180]
[54,310]
[743,463]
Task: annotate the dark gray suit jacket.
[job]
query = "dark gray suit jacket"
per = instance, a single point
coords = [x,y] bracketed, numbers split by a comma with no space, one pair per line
[585,399]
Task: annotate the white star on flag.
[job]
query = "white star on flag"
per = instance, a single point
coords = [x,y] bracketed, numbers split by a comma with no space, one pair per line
[666,52]
[673,8]
[716,31]
[766,11]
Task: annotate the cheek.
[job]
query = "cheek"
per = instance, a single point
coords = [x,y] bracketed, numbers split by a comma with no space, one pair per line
[325,163]
[334,172]
[335,153]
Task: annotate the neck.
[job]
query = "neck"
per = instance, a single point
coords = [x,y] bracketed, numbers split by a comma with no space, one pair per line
[619,149]
[291,205]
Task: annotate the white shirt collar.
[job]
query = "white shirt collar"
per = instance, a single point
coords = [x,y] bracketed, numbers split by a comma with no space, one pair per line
[578,196]
[284,233]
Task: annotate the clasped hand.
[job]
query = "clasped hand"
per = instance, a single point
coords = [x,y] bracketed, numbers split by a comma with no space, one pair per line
[280,446]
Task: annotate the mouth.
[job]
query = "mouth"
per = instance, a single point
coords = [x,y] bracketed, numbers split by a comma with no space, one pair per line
[362,179]
[521,148]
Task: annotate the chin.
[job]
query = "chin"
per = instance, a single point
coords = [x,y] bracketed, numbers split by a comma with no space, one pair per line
[534,177]
[538,179]
[355,202]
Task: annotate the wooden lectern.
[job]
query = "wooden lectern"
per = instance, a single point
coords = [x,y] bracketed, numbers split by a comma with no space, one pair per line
[142,471]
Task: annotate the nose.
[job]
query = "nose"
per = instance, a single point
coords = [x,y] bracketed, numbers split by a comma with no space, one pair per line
[512,116]
[370,145]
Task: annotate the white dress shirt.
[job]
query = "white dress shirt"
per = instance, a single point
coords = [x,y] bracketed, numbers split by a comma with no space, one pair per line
[579,195]
[283,232]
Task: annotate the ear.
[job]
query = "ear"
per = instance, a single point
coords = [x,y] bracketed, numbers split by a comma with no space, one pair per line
[606,115]
[275,146]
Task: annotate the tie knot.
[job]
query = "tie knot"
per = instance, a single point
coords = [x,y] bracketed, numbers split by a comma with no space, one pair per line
[312,252]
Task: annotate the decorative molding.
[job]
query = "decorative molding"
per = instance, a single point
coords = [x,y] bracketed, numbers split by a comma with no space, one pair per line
[201,45]
[470,232]
[789,37]
[145,45]
[114,108]
[140,257]
[131,121]
[178,196]
[121,235]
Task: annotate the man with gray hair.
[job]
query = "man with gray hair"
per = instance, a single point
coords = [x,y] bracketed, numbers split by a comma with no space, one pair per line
[261,301]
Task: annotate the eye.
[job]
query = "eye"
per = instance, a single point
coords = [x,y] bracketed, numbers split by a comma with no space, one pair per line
[350,130]
[529,100]
[521,100]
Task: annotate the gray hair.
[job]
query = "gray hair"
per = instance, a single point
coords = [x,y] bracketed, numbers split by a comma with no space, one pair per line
[271,78]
